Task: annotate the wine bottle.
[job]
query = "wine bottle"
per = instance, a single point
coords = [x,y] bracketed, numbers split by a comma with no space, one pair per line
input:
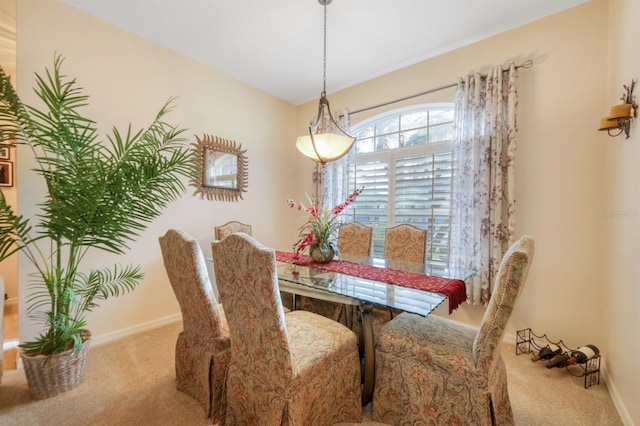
[547,352]
[583,354]
[558,361]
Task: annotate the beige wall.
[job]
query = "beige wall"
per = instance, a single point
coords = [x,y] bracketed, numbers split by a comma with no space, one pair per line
[129,79]
[621,286]
[583,286]
[583,283]
[559,189]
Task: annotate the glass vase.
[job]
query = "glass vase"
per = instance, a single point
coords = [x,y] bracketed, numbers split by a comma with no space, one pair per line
[321,253]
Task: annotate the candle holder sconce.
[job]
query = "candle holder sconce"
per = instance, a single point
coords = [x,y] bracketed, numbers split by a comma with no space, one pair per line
[620,116]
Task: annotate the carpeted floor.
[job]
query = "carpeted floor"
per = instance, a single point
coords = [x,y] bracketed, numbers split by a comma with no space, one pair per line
[132,382]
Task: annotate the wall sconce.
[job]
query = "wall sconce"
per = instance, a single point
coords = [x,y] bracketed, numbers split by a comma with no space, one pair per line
[620,116]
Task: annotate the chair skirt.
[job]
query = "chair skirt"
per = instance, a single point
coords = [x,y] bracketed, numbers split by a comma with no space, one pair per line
[324,389]
[201,374]
[426,375]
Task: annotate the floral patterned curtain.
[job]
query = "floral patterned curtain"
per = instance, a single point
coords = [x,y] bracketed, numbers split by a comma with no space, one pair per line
[484,196]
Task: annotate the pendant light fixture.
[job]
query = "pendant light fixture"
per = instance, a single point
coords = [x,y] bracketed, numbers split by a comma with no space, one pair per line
[326,141]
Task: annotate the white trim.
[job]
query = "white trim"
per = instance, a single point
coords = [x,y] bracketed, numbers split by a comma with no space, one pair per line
[510,339]
[139,328]
[615,398]
[399,111]
[114,336]
[9,344]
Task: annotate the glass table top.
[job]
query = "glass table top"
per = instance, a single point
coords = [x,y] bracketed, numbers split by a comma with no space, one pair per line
[342,288]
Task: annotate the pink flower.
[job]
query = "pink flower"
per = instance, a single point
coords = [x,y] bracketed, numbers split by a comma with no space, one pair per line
[321,225]
[338,209]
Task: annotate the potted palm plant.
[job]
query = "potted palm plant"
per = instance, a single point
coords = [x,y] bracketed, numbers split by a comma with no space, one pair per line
[99,195]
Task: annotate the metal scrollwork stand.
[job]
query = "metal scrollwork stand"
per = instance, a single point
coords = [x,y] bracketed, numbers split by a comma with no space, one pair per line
[590,370]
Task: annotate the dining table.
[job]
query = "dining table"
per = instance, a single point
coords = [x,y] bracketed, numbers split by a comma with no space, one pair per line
[365,282]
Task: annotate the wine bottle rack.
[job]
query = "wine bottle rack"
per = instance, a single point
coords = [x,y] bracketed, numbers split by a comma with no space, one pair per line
[590,370]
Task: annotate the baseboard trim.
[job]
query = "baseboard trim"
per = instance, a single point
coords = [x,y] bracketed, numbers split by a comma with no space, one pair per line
[510,339]
[116,335]
[139,328]
[9,344]
[615,397]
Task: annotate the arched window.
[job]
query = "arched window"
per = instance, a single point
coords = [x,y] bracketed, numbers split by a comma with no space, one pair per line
[404,161]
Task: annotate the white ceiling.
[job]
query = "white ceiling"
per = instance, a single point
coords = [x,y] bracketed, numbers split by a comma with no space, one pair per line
[276,45]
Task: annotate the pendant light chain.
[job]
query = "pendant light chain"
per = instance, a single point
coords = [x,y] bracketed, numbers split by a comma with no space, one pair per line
[326,141]
[324,63]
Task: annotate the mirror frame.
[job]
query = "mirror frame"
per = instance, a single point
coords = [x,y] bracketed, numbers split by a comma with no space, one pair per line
[215,143]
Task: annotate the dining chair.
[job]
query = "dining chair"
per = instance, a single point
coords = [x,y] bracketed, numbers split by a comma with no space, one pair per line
[222,231]
[437,371]
[405,242]
[354,239]
[299,368]
[203,347]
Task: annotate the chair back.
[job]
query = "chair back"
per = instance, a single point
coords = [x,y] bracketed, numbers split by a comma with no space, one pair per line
[229,228]
[355,239]
[248,284]
[406,243]
[187,272]
[510,279]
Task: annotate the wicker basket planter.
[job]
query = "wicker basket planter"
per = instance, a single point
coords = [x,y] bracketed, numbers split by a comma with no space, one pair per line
[62,372]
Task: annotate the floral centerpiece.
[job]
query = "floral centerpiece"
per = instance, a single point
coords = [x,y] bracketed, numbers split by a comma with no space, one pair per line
[319,232]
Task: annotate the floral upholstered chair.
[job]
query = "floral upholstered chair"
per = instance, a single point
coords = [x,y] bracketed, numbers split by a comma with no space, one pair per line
[354,239]
[405,242]
[297,369]
[230,228]
[436,371]
[203,347]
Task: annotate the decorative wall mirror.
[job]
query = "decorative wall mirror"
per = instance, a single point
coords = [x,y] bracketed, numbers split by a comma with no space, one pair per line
[224,169]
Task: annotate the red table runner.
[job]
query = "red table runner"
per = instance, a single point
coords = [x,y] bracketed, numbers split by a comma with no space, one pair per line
[454,289]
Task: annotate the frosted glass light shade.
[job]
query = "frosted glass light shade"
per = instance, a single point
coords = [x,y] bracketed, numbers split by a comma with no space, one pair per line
[328,146]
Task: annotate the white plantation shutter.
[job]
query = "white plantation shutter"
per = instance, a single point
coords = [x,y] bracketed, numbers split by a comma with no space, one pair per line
[372,205]
[423,198]
[404,163]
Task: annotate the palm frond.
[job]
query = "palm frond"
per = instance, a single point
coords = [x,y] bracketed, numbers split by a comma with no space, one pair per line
[14,230]
[105,283]
[100,194]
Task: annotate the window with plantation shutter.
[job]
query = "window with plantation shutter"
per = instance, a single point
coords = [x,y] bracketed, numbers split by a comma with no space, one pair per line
[404,162]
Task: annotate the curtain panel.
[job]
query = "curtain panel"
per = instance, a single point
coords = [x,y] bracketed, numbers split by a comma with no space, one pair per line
[483,193]
[483,199]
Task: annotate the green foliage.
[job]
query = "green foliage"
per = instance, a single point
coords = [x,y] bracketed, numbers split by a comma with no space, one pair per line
[100,195]
[321,226]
